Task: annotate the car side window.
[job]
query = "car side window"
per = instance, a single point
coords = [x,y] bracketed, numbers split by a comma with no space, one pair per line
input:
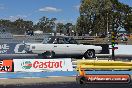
[70,41]
[60,41]
[55,41]
[66,40]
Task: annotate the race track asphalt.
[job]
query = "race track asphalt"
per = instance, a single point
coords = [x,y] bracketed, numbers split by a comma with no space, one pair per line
[53,82]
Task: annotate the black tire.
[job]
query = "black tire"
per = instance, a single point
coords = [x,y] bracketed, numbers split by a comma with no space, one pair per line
[48,54]
[89,54]
[81,80]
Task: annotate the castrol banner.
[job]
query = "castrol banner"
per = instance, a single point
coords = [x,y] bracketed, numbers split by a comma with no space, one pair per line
[39,65]
[6,65]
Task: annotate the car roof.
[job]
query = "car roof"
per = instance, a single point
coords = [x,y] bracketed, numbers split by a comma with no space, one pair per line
[54,37]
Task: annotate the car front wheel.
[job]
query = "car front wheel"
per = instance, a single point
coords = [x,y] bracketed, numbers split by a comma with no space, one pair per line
[89,54]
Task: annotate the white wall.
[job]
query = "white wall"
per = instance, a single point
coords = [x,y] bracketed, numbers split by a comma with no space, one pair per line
[122,49]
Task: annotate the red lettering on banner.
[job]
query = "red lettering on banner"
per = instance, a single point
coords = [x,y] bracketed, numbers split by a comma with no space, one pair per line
[52,64]
[41,65]
[44,65]
[61,64]
[35,64]
[49,64]
[57,65]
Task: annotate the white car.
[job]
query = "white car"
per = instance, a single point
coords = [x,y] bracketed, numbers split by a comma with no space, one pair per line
[62,46]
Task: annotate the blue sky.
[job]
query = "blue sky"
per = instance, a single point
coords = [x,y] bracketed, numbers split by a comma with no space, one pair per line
[63,10]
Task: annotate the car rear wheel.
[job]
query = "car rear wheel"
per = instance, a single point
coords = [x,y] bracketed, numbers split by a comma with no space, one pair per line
[89,54]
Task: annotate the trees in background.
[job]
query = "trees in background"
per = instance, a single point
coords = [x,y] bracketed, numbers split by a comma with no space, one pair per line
[45,24]
[97,16]
[60,28]
[19,26]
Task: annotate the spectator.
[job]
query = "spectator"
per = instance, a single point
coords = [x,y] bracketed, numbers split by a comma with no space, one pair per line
[124,37]
[27,32]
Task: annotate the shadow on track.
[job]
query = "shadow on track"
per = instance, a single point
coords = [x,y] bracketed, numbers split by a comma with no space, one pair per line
[65,85]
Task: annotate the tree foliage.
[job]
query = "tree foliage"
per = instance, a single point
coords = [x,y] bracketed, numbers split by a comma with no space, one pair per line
[45,24]
[96,16]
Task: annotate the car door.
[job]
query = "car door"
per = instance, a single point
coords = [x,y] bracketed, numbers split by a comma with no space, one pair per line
[73,48]
[60,48]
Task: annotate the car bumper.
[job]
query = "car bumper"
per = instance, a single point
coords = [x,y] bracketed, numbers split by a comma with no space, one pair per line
[98,51]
